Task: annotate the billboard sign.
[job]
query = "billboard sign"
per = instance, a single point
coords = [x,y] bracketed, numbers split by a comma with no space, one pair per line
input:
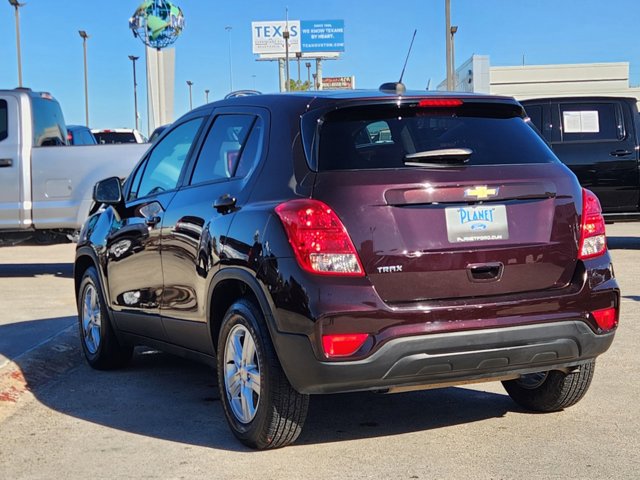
[267,37]
[338,83]
[322,35]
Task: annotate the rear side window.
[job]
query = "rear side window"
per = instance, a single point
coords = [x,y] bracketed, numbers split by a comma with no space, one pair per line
[380,136]
[591,121]
[49,127]
[4,120]
[225,148]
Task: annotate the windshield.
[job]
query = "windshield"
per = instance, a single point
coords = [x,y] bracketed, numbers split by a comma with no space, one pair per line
[115,137]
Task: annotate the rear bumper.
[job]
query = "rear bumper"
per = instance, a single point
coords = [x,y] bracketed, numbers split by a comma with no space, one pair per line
[445,358]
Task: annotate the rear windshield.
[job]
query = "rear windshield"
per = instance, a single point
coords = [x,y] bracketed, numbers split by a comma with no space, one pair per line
[115,137]
[380,136]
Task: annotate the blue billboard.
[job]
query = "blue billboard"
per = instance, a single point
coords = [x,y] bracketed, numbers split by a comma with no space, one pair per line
[322,35]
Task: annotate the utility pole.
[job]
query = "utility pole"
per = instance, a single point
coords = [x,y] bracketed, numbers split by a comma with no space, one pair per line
[206,96]
[190,84]
[135,88]
[16,4]
[447,15]
[84,37]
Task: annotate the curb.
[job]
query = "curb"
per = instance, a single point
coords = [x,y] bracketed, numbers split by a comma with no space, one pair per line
[37,367]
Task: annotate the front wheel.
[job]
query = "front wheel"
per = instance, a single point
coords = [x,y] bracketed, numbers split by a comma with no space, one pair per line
[99,343]
[262,408]
[551,391]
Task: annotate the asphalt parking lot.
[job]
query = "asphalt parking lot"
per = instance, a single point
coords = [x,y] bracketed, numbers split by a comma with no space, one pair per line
[161,416]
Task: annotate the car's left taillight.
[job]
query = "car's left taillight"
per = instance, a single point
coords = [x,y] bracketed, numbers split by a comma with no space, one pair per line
[593,241]
[319,239]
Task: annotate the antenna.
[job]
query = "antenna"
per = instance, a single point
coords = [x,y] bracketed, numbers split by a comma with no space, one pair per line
[408,53]
[428,83]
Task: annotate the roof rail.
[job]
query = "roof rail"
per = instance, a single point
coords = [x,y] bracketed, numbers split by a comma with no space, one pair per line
[242,93]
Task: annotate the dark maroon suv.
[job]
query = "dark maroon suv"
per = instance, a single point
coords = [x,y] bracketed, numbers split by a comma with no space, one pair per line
[332,242]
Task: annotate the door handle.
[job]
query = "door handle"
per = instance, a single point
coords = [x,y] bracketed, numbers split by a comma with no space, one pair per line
[621,153]
[6,162]
[225,203]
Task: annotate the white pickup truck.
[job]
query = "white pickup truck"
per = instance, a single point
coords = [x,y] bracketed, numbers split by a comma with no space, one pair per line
[45,185]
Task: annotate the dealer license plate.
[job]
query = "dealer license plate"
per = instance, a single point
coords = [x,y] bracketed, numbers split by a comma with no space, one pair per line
[477,224]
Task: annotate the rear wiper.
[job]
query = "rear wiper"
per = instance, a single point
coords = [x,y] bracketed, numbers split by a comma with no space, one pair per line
[442,157]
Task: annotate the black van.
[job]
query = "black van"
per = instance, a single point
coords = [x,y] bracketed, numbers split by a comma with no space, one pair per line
[597,138]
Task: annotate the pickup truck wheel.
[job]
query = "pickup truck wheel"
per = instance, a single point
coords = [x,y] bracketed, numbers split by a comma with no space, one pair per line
[262,408]
[551,391]
[99,343]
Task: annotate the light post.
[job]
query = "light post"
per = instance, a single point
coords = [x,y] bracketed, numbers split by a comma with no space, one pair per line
[285,35]
[254,80]
[190,83]
[206,96]
[84,37]
[16,4]
[454,29]
[135,88]
[308,65]
[447,21]
[228,28]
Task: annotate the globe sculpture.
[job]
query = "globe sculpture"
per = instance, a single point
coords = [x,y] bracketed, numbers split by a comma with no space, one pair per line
[157,23]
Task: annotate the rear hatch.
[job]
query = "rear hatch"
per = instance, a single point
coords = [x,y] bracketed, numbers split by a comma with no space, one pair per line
[448,200]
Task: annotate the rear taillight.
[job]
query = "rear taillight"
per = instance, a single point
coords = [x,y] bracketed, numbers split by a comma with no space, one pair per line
[319,239]
[593,241]
[343,345]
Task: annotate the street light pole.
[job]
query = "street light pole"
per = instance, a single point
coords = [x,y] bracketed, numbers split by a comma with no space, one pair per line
[206,96]
[228,29]
[190,83]
[308,65]
[84,36]
[447,15]
[135,88]
[16,4]
[454,29]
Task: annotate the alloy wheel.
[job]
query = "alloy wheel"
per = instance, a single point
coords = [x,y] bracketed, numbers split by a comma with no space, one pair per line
[242,374]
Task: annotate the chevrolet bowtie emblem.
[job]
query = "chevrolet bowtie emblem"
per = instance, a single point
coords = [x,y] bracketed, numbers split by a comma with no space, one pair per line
[481,192]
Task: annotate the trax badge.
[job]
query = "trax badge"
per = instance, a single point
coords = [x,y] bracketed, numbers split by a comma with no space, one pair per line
[481,192]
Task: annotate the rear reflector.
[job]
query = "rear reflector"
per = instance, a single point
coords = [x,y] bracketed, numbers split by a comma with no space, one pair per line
[320,242]
[440,102]
[607,318]
[343,345]
[593,241]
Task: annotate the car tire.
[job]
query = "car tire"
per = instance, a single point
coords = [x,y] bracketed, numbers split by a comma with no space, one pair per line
[551,391]
[262,408]
[99,343]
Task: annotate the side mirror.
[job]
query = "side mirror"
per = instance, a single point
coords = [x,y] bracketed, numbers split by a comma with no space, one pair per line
[108,191]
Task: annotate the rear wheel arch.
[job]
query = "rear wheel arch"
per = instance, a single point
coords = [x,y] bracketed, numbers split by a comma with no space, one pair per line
[229,286]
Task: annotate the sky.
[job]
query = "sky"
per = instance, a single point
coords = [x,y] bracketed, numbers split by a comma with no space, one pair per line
[377,36]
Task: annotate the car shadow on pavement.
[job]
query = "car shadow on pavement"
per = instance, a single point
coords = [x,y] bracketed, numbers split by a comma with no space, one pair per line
[623,243]
[364,415]
[25,270]
[162,396]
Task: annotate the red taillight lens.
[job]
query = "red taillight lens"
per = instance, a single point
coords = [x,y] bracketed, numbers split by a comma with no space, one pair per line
[440,102]
[70,136]
[319,239]
[607,318]
[593,241]
[343,345]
